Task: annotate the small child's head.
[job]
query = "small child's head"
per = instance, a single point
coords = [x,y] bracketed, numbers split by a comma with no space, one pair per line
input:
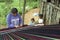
[32,19]
[40,15]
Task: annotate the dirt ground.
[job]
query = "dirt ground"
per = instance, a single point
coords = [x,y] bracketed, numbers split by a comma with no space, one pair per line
[30,14]
[2,27]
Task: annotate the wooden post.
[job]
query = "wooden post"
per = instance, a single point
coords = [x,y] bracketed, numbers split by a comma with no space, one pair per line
[41,6]
[50,15]
[59,20]
[47,15]
[23,13]
[43,10]
[50,12]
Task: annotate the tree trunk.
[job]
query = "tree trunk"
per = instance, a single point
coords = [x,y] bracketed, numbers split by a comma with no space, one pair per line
[23,13]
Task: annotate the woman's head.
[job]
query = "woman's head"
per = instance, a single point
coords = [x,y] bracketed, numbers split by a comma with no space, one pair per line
[14,11]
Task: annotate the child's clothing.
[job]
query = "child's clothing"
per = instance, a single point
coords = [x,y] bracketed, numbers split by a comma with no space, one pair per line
[40,21]
[32,23]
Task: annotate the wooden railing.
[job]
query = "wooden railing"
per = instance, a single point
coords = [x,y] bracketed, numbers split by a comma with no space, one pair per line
[49,32]
[50,13]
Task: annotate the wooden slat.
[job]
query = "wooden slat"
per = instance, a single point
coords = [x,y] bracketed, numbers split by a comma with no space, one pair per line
[54,6]
[14,36]
[6,37]
[30,37]
[1,38]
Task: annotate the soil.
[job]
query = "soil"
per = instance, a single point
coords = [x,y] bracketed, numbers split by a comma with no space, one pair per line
[30,14]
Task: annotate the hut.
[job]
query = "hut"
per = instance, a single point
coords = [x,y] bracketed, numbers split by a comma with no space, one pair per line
[51,11]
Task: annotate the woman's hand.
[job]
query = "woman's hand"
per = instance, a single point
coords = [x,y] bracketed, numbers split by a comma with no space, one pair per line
[20,25]
[16,26]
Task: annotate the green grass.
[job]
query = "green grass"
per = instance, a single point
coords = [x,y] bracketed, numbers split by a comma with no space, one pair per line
[5,8]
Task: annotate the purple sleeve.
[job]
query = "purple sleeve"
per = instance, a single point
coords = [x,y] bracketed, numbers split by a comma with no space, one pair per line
[20,19]
[9,21]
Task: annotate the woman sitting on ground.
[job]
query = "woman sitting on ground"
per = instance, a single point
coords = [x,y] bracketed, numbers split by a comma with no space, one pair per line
[13,19]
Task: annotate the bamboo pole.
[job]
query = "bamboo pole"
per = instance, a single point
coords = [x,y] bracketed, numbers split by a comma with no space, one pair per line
[50,13]
[23,13]
[54,6]
[41,6]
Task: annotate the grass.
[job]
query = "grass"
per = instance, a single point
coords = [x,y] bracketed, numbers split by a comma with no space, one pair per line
[5,9]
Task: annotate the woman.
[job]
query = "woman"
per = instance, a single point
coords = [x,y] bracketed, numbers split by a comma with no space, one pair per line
[14,19]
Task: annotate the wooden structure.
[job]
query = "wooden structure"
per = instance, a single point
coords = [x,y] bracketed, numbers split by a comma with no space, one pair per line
[51,32]
[51,11]
[30,14]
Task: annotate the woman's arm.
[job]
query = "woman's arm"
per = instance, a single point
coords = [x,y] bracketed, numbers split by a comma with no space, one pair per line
[20,20]
[8,20]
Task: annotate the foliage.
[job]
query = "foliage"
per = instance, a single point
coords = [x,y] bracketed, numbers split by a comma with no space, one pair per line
[6,5]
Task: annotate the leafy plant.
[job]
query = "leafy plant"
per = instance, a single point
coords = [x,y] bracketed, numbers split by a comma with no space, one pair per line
[6,6]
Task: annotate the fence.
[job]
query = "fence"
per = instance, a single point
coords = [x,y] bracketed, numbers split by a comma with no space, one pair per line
[50,13]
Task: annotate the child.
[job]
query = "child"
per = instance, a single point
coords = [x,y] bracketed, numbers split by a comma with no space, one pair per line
[13,19]
[32,23]
[40,21]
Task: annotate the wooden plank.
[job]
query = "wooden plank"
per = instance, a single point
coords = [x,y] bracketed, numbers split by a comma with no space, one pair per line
[6,37]
[1,38]
[54,6]
[23,13]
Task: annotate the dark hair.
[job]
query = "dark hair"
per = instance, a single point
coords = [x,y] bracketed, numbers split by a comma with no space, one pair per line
[41,15]
[33,19]
[14,10]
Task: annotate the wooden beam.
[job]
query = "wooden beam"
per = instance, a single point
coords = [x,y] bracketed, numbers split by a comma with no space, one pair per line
[23,13]
[54,6]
